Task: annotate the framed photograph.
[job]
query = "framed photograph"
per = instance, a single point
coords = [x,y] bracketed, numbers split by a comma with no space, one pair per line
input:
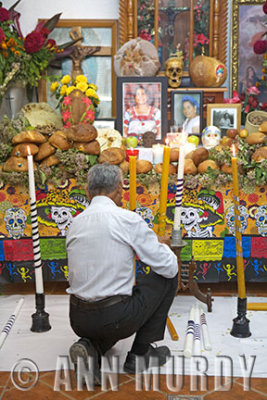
[97,67]
[224,116]
[105,123]
[187,111]
[142,106]
[247,27]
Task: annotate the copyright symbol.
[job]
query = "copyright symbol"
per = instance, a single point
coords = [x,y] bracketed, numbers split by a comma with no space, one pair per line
[24,374]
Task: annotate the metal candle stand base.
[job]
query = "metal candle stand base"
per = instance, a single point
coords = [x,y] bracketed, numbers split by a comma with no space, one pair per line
[240,327]
[40,319]
[176,239]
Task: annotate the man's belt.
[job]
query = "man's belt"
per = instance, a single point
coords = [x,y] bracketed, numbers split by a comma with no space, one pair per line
[95,305]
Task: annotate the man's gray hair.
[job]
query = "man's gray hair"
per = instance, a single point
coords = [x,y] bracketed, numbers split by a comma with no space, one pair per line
[103,178]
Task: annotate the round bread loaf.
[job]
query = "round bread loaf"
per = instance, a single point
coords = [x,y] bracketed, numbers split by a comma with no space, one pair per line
[172,169]
[16,164]
[203,167]
[82,133]
[143,166]
[60,141]
[50,161]
[29,137]
[88,148]
[21,150]
[45,150]
[113,155]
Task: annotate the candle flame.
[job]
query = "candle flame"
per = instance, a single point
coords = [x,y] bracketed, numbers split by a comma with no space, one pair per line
[234,150]
[29,151]
[167,141]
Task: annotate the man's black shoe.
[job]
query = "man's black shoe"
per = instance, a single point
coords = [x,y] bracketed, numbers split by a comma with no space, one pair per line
[84,349]
[154,357]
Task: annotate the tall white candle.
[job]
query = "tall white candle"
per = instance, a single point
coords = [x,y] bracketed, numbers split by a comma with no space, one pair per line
[35,232]
[10,322]
[180,181]
[157,150]
[189,339]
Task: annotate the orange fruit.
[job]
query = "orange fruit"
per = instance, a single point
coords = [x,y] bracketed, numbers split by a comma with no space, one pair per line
[243,133]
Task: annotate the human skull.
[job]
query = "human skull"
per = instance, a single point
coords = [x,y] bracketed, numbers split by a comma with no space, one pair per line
[211,137]
[261,220]
[15,219]
[174,71]
[62,217]
[230,218]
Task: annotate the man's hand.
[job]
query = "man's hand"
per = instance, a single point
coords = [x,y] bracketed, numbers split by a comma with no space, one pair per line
[164,239]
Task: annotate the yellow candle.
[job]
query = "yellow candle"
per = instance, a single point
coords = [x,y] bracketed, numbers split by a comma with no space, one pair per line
[164,190]
[132,168]
[239,251]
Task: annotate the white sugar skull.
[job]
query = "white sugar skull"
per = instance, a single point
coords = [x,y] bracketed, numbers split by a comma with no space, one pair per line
[190,218]
[62,217]
[174,71]
[261,220]
[211,137]
[15,219]
[230,218]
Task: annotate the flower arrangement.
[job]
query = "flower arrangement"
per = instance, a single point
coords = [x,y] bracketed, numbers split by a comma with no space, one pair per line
[62,91]
[249,102]
[22,59]
[260,47]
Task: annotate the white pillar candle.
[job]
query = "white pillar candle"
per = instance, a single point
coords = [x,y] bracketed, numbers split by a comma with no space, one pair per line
[189,339]
[197,338]
[35,232]
[10,322]
[157,153]
[180,181]
[204,330]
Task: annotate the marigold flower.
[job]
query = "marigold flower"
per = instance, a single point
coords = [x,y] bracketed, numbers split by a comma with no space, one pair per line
[11,42]
[91,85]
[5,54]
[82,86]
[70,89]
[90,92]
[4,46]
[63,90]
[81,78]
[54,86]
[65,80]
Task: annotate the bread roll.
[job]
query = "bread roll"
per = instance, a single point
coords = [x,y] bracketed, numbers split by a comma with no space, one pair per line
[59,140]
[256,138]
[45,150]
[201,154]
[82,133]
[113,155]
[260,154]
[203,167]
[174,154]
[158,168]
[88,148]
[21,150]
[29,137]
[143,166]
[263,127]
[50,161]
[226,168]
[16,164]
[189,167]
[125,167]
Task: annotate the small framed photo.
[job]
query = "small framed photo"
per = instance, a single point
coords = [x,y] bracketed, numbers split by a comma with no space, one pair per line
[108,123]
[224,116]
[187,111]
[142,106]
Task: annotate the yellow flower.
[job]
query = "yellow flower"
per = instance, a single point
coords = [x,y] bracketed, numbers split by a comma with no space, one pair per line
[91,85]
[82,86]
[65,80]
[54,86]
[90,92]
[63,90]
[81,78]
[70,89]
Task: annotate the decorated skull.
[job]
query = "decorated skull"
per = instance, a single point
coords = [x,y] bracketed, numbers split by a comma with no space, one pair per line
[174,71]
[261,220]
[146,214]
[230,218]
[15,220]
[211,137]
[62,217]
[191,217]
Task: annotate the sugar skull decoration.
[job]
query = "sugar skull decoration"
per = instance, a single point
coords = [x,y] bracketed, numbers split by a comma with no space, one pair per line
[230,218]
[174,68]
[261,220]
[211,136]
[15,220]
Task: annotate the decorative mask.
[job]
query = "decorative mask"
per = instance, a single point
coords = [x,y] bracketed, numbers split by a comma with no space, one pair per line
[230,218]
[174,71]
[15,219]
[211,137]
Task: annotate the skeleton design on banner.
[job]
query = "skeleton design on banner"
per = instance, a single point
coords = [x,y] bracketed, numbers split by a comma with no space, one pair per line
[230,219]
[261,220]
[191,218]
[62,217]
[15,220]
[146,214]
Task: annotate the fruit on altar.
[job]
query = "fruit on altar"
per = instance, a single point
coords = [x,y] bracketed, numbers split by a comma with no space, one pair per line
[226,141]
[203,167]
[193,139]
[207,71]
[189,167]
[232,133]
[243,133]
[201,154]
[132,141]
[256,138]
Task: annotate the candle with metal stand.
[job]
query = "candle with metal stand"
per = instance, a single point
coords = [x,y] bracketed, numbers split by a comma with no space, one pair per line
[240,327]
[40,319]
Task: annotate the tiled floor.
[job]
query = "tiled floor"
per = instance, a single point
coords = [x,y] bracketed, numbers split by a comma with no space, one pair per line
[44,389]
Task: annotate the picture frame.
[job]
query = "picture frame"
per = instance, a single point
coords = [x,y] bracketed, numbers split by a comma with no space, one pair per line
[98,67]
[130,121]
[247,23]
[217,116]
[187,111]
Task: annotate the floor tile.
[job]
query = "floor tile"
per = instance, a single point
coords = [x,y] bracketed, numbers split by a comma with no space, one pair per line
[41,392]
[259,384]
[237,392]
[183,386]
[4,376]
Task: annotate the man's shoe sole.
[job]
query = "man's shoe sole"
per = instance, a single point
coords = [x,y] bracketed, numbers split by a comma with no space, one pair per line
[80,350]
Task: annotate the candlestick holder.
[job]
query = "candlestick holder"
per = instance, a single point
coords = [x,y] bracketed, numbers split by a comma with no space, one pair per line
[40,319]
[176,239]
[240,327]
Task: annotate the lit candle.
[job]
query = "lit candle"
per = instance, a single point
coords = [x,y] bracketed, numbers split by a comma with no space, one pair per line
[179,187]
[164,190]
[132,169]
[131,152]
[35,232]
[157,153]
[238,235]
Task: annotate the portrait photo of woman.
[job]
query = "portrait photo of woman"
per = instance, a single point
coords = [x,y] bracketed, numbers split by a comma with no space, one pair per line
[187,112]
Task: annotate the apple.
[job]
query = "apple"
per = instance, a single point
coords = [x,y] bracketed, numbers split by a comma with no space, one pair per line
[231,133]
[131,141]
[243,133]
[193,139]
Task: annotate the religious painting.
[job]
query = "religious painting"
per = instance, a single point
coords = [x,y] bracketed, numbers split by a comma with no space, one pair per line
[142,106]
[248,26]
[95,57]
[224,116]
[186,111]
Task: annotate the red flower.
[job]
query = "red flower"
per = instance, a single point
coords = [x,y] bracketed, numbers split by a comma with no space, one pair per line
[247,109]
[242,96]
[260,47]
[253,90]
[4,14]
[2,35]
[87,101]
[45,32]
[145,35]
[263,106]
[51,43]
[90,114]
[33,42]
[66,115]
[67,101]
[265,7]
